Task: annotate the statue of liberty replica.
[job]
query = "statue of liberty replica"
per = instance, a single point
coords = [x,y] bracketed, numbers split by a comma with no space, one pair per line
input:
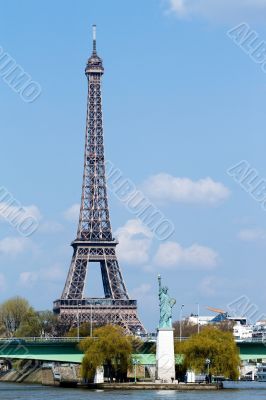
[166,305]
[165,355]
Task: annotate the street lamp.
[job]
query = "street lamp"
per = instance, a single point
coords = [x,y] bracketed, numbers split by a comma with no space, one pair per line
[45,323]
[91,322]
[208,361]
[135,363]
[78,322]
[180,322]
[198,318]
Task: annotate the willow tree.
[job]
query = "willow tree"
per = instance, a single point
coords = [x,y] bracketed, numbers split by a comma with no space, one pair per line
[109,347]
[211,344]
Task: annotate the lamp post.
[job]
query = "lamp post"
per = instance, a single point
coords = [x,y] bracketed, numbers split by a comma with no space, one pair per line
[135,363]
[180,323]
[91,322]
[208,361]
[78,322]
[45,323]
[198,318]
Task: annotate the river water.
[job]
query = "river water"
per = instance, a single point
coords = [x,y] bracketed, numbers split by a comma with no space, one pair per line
[241,391]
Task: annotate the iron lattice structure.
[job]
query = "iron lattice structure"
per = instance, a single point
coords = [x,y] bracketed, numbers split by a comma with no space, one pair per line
[95,242]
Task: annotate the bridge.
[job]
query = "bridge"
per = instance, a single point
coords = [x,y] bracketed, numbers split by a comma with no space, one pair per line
[42,349]
[66,350]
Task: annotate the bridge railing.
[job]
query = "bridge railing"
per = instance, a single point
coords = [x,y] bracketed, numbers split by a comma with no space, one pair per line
[252,340]
[145,338]
[40,339]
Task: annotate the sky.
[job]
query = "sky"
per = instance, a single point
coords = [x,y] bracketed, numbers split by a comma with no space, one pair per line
[184,95]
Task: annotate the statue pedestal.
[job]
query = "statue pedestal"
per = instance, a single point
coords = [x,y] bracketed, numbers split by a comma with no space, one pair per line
[99,375]
[165,355]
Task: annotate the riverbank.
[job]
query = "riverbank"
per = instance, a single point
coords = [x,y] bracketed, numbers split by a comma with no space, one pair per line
[45,377]
[155,386]
[35,375]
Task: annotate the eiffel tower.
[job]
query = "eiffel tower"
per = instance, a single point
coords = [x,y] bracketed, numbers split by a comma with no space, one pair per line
[95,242]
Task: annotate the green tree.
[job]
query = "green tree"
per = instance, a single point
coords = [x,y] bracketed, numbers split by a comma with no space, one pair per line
[12,314]
[109,347]
[30,326]
[84,330]
[49,324]
[226,325]
[38,324]
[188,328]
[18,318]
[2,330]
[213,344]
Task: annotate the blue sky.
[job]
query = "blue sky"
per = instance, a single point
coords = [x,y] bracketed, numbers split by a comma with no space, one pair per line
[182,104]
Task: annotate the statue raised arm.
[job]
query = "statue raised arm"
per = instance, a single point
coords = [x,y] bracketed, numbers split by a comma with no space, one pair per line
[160,282]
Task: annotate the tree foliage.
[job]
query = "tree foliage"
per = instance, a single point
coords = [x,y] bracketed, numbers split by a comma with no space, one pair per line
[213,344]
[226,326]
[49,324]
[188,328]
[84,330]
[30,325]
[12,314]
[19,319]
[109,347]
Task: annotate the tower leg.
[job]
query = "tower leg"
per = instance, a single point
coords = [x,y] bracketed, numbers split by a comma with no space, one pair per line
[75,282]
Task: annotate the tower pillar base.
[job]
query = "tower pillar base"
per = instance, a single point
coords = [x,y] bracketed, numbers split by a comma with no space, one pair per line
[99,312]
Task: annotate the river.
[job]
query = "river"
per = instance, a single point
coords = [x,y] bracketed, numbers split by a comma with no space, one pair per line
[242,391]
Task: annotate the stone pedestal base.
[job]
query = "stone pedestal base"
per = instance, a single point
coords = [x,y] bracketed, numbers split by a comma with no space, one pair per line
[165,355]
[99,375]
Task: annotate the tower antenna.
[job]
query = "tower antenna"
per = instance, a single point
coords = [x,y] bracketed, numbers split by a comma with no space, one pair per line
[94,38]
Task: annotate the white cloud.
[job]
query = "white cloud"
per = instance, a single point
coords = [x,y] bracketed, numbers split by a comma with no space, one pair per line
[219,10]
[179,7]
[33,211]
[208,286]
[141,291]
[7,210]
[252,235]
[14,245]
[52,274]
[72,213]
[146,295]
[172,255]
[27,278]
[164,187]
[134,242]
[50,227]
